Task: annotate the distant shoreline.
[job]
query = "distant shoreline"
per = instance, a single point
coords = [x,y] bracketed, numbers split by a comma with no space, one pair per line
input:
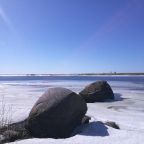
[79,74]
[113,74]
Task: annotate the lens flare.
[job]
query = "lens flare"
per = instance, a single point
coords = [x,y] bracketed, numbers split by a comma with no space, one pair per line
[7,20]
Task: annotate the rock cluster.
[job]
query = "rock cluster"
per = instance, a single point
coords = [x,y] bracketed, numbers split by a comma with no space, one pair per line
[57,113]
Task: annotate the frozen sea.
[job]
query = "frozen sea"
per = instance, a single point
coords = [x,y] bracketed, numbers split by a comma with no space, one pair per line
[19,93]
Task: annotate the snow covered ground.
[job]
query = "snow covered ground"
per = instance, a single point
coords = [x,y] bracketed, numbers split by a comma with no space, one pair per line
[18,97]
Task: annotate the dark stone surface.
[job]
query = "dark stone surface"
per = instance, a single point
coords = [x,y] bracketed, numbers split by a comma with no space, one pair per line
[12,132]
[56,114]
[97,92]
[86,120]
[112,124]
[10,136]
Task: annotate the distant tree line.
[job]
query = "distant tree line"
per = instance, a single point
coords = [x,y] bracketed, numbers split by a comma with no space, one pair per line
[112,73]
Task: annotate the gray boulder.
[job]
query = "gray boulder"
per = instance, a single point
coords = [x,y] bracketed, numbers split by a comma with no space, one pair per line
[13,132]
[56,114]
[97,92]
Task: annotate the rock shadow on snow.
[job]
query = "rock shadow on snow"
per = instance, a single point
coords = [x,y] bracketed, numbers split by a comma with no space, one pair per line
[117,97]
[92,129]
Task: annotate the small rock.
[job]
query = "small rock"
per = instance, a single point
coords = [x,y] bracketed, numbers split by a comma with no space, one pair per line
[86,119]
[11,135]
[112,124]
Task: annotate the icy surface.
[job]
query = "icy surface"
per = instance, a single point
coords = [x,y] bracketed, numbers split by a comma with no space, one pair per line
[18,97]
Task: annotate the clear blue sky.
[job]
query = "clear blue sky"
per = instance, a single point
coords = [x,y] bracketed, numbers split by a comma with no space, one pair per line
[71,36]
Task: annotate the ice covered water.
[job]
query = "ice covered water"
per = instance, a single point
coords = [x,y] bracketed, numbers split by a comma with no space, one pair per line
[19,94]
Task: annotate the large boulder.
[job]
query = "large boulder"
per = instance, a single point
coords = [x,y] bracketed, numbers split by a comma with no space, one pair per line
[56,114]
[97,92]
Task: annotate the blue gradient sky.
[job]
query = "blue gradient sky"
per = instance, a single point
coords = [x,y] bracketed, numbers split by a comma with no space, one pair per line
[71,36]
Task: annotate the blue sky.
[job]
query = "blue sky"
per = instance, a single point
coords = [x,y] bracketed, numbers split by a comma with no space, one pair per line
[71,36]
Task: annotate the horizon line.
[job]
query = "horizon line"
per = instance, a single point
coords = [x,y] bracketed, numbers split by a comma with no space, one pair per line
[83,73]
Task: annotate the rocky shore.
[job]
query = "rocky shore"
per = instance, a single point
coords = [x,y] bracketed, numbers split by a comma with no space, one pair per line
[58,113]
